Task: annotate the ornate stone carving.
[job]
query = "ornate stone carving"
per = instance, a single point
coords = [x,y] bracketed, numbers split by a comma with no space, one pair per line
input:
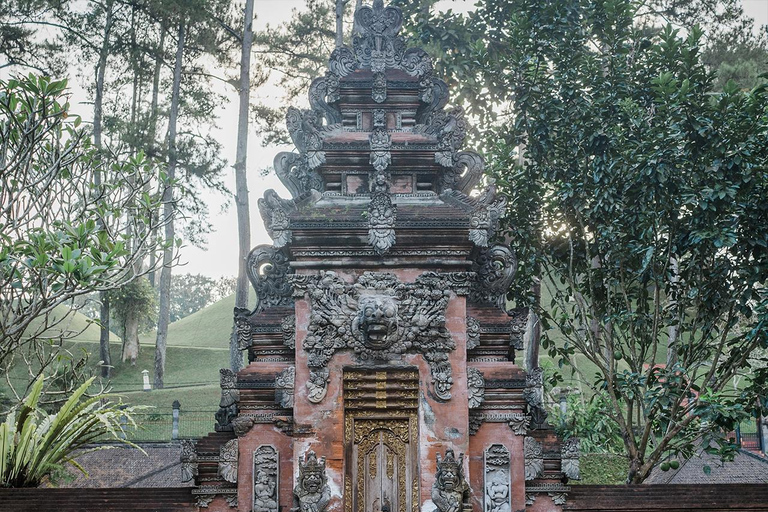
[475,422]
[284,383]
[294,172]
[530,498]
[473,333]
[558,498]
[466,172]
[450,492]
[497,496]
[227,469]
[382,215]
[569,462]
[519,424]
[242,425]
[379,118]
[203,500]
[266,471]
[268,271]
[381,143]
[303,128]
[375,42]
[231,500]
[323,92]
[230,396]
[288,326]
[311,493]
[450,128]
[342,62]
[534,459]
[188,460]
[484,221]
[518,324]
[495,268]
[475,387]
[357,316]
[534,396]
[379,89]
[275,214]
[243,328]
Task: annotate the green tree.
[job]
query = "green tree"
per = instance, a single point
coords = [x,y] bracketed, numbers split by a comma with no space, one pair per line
[61,234]
[637,196]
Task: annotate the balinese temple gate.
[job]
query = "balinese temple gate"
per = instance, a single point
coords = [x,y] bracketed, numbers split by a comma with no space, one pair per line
[382,373]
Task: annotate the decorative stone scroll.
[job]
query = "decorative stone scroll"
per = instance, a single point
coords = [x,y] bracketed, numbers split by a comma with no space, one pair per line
[303,127]
[534,396]
[475,387]
[519,424]
[485,220]
[473,333]
[569,461]
[380,318]
[284,383]
[497,496]
[230,396]
[268,270]
[243,328]
[495,268]
[266,479]
[534,459]
[450,491]
[189,469]
[312,493]
[288,327]
[275,213]
[228,454]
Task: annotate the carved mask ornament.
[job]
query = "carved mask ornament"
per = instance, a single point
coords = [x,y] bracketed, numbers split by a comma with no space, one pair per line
[376,321]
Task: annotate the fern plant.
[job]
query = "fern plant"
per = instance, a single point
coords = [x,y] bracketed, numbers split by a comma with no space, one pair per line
[34,443]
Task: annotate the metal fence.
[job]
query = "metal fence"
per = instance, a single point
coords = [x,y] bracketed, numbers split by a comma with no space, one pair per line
[192,424]
[748,436]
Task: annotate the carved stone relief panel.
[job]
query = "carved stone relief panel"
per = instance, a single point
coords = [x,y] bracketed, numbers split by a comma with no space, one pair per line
[228,455]
[284,387]
[475,387]
[534,458]
[266,479]
[497,496]
[569,462]
[379,318]
[188,460]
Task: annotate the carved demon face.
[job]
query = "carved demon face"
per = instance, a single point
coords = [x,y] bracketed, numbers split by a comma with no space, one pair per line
[376,321]
[448,479]
[312,482]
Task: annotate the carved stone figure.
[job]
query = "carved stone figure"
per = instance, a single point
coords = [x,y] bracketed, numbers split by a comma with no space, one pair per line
[534,396]
[484,221]
[381,143]
[534,458]
[382,214]
[376,43]
[450,492]
[311,493]
[243,328]
[284,383]
[475,387]
[188,460]
[569,462]
[228,454]
[497,497]
[230,396]
[265,479]
[337,322]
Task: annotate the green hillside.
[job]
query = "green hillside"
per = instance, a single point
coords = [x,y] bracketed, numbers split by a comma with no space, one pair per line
[70,324]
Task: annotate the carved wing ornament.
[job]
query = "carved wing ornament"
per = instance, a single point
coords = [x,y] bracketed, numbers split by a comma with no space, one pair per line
[379,318]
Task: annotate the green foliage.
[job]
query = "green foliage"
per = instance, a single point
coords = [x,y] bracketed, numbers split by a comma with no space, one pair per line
[71,223]
[590,420]
[602,469]
[33,443]
[136,298]
[639,205]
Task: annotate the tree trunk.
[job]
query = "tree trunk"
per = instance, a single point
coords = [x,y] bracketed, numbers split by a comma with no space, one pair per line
[101,68]
[533,330]
[340,23]
[153,115]
[241,181]
[131,338]
[164,315]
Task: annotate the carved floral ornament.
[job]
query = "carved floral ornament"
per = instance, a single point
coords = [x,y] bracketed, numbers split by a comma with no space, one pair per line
[380,318]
